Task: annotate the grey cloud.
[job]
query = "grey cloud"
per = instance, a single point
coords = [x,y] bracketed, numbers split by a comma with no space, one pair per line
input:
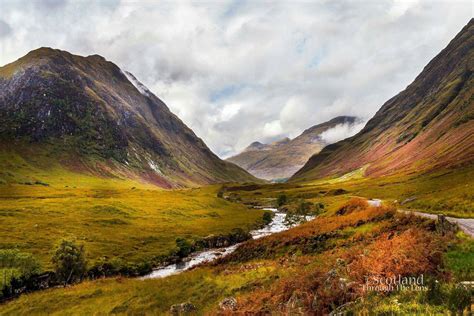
[50,4]
[5,29]
[296,64]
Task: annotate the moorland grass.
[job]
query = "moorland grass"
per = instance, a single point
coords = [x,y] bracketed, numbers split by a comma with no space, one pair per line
[259,284]
[449,192]
[125,220]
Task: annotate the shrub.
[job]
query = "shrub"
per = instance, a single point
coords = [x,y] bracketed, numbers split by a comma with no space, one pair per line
[282,199]
[353,205]
[184,247]
[69,261]
[410,253]
[23,262]
[267,217]
[459,298]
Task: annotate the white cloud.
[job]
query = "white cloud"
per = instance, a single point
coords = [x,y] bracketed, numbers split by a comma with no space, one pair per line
[341,131]
[272,129]
[240,71]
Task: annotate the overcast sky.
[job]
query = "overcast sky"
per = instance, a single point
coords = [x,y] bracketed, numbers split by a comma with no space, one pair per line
[240,71]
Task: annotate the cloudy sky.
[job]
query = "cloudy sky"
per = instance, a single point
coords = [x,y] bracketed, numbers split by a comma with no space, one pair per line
[239,71]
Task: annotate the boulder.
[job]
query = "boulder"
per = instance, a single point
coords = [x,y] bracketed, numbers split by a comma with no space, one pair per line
[228,304]
[182,309]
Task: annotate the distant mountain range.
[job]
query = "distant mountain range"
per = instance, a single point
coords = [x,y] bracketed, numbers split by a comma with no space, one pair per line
[281,159]
[91,116]
[428,126]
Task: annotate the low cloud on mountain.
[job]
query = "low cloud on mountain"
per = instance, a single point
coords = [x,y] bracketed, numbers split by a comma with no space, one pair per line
[341,131]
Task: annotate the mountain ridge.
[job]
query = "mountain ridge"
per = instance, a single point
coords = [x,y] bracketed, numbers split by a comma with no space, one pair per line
[280,159]
[428,125]
[88,105]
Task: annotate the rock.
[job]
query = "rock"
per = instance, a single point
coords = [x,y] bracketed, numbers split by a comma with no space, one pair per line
[340,262]
[443,226]
[182,309]
[228,304]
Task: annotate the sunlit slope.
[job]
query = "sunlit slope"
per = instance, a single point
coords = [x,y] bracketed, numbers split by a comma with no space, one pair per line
[114,219]
[429,125]
[281,159]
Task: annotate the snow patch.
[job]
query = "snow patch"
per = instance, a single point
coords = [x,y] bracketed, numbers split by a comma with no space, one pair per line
[154,166]
[137,84]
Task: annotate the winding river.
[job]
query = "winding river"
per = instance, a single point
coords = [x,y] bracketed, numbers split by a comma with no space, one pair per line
[276,225]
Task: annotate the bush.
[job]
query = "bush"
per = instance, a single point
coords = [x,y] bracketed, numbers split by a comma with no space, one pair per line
[184,247]
[434,295]
[267,217]
[353,205]
[18,270]
[282,199]
[298,214]
[459,298]
[69,261]
[238,235]
[23,262]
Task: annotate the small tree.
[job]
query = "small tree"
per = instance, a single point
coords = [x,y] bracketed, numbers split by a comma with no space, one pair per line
[184,247]
[69,261]
[267,217]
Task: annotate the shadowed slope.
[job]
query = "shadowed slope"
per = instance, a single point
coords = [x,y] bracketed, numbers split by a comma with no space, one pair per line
[101,118]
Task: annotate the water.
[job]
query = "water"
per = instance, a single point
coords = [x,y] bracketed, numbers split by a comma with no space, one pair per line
[276,225]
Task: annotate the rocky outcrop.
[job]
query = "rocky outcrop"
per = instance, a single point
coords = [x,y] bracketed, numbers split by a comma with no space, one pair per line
[182,309]
[228,304]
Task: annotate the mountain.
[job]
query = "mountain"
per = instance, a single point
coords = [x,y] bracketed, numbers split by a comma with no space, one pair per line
[428,126]
[89,115]
[279,160]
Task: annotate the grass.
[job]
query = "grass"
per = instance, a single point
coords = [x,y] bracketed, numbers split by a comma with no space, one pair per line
[113,217]
[265,274]
[448,192]
[290,270]
[132,224]
[202,286]
[460,258]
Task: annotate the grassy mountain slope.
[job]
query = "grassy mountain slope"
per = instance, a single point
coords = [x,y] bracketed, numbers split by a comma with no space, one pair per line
[429,125]
[283,158]
[93,117]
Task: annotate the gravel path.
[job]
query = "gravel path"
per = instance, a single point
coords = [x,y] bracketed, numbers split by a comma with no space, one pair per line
[465,224]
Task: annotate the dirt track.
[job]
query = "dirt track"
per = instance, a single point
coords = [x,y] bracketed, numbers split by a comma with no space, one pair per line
[465,224]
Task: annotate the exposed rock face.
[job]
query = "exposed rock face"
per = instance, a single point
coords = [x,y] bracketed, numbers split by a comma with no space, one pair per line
[428,126]
[281,159]
[90,108]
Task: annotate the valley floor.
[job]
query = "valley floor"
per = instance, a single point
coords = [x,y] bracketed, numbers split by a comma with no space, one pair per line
[314,268]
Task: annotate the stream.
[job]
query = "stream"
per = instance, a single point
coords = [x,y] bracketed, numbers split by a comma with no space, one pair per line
[275,226]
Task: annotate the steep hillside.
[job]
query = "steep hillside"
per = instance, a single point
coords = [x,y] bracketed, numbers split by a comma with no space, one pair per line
[429,125]
[90,116]
[283,158]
